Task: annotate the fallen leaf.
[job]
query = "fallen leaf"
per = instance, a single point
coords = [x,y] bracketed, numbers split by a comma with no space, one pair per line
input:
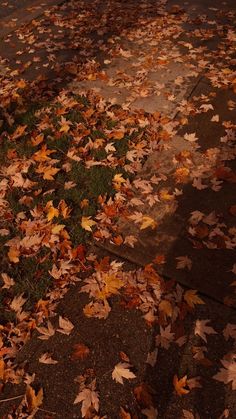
[184,262]
[228,373]
[33,400]
[121,371]
[148,222]
[47,359]
[89,399]
[192,298]
[65,326]
[124,414]
[150,412]
[81,351]
[87,223]
[143,394]
[180,384]
[201,329]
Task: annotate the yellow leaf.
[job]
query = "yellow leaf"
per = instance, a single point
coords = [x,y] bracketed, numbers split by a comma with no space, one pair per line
[118,180]
[33,401]
[180,384]
[52,212]
[87,223]
[57,228]
[13,255]
[166,307]
[192,298]
[165,195]
[49,172]
[148,222]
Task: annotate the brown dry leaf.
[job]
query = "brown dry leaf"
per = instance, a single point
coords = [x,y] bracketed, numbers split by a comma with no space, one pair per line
[81,351]
[124,357]
[8,281]
[47,359]
[37,140]
[143,394]
[20,130]
[166,307]
[228,373]
[202,329]
[192,298]
[2,369]
[89,399]
[124,414]
[121,371]
[65,326]
[180,385]
[33,400]
[17,303]
[184,262]
[232,210]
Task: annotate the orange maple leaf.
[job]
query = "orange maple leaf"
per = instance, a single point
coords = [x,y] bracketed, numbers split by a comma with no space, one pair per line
[180,384]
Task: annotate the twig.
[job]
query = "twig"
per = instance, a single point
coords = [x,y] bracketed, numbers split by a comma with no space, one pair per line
[47,411]
[11,398]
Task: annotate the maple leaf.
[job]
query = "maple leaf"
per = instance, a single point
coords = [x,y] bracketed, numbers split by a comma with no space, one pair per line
[118,180]
[191,137]
[43,154]
[47,359]
[165,337]
[194,382]
[148,222]
[13,255]
[65,125]
[150,412]
[166,307]
[180,385]
[48,172]
[33,400]
[121,371]
[51,211]
[143,394]
[89,399]
[124,414]
[17,303]
[184,262]
[47,332]
[81,351]
[229,331]
[87,223]
[228,373]
[20,130]
[65,326]
[192,298]
[152,357]
[201,329]
[8,281]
